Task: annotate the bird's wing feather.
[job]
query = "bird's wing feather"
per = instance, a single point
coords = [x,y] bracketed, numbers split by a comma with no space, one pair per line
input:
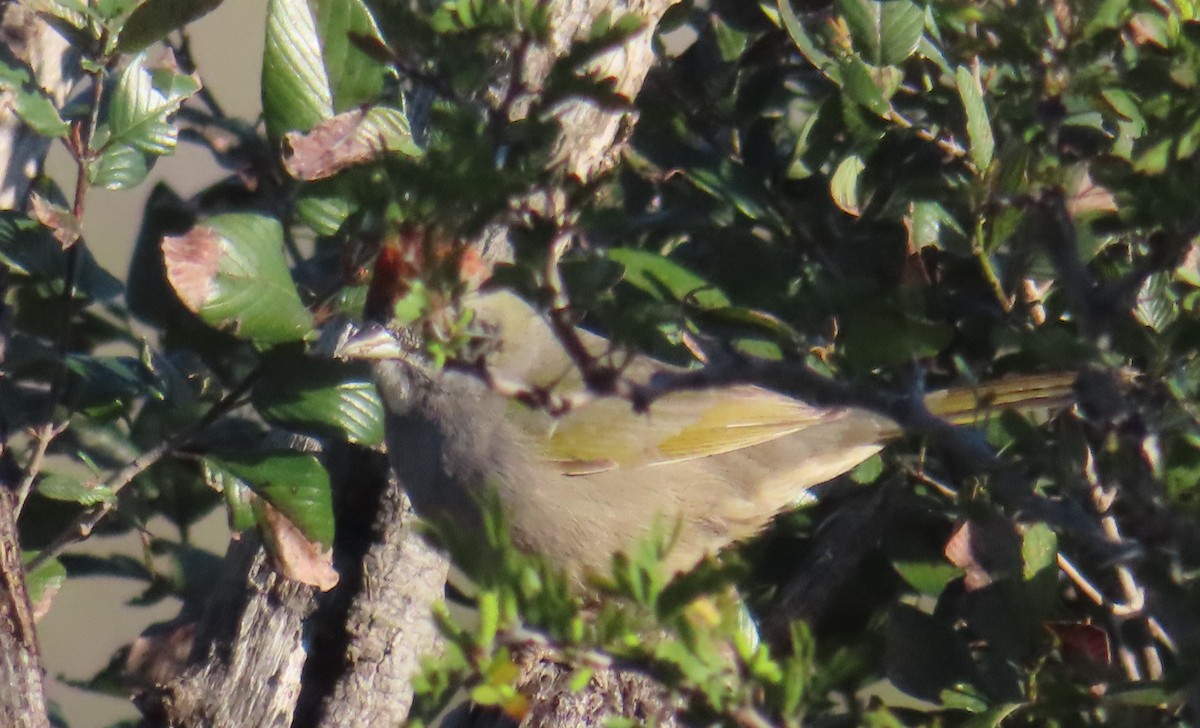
[682,426]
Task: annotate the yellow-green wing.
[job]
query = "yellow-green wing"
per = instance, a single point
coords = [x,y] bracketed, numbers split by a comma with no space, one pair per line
[607,433]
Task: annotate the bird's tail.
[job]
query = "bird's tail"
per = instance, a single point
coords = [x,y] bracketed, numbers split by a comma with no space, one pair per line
[1026,393]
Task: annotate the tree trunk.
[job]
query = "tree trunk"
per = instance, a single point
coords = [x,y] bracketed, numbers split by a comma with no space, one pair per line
[30,41]
[251,666]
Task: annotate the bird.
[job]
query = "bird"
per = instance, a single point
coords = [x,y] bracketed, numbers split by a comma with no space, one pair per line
[712,467]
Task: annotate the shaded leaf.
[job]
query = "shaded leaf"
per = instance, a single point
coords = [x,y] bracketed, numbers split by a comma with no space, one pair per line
[74,490]
[327,397]
[657,276]
[154,19]
[43,584]
[979,126]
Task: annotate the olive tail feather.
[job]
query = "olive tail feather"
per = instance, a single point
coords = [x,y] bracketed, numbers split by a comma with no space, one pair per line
[1025,393]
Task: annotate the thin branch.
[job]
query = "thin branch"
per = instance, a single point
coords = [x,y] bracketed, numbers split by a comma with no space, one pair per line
[42,438]
[87,521]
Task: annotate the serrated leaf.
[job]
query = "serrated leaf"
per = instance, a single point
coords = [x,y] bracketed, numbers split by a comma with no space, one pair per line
[979,127]
[138,127]
[295,484]
[74,490]
[296,93]
[326,397]
[231,271]
[142,101]
[885,32]
[154,19]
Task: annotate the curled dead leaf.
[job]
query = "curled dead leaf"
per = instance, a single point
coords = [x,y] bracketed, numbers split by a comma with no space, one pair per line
[66,228]
[294,555]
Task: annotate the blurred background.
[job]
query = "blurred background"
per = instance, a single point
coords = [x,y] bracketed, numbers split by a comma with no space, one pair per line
[227,45]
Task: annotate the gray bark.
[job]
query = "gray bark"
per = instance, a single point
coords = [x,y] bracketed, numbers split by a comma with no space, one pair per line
[364,639]
[22,698]
[25,39]
[249,655]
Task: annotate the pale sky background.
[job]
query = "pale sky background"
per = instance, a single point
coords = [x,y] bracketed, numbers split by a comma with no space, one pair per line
[89,618]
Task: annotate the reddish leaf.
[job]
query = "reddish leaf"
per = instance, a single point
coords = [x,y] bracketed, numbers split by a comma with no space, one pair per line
[1083,643]
[65,226]
[348,139]
[192,261]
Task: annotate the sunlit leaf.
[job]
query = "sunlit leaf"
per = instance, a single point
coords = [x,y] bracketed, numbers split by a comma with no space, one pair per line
[231,271]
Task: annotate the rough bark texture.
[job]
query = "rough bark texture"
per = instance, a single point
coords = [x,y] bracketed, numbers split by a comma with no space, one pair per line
[387,628]
[249,654]
[275,654]
[22,699]
[24,39]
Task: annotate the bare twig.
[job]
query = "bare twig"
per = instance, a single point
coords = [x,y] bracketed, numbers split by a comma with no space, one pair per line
[87,521]
[42,438]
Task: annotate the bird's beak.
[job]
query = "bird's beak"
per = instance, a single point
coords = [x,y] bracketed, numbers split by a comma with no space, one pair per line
[371,342]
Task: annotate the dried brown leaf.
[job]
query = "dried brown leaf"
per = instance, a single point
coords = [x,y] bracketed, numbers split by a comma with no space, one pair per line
[191,262]
[294,556]
[66,228]
[329,147]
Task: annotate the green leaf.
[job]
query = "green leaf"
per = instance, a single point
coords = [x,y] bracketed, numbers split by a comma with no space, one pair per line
[992,717]
[325,397]
[927,577]
[979,127]
[154,19]
[138,126]
[806,44]
[30,103]
[844,185]
[860,85]
[355,78]
[143,99]
[296,93]
[1039,550]
[74,490]
[44,582]
[28,248]
[231,271]
[294,483]
[118,168]
[885,32]
[657,276]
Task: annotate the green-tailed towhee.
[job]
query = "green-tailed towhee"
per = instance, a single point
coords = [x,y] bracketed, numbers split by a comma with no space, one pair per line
[712,466]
